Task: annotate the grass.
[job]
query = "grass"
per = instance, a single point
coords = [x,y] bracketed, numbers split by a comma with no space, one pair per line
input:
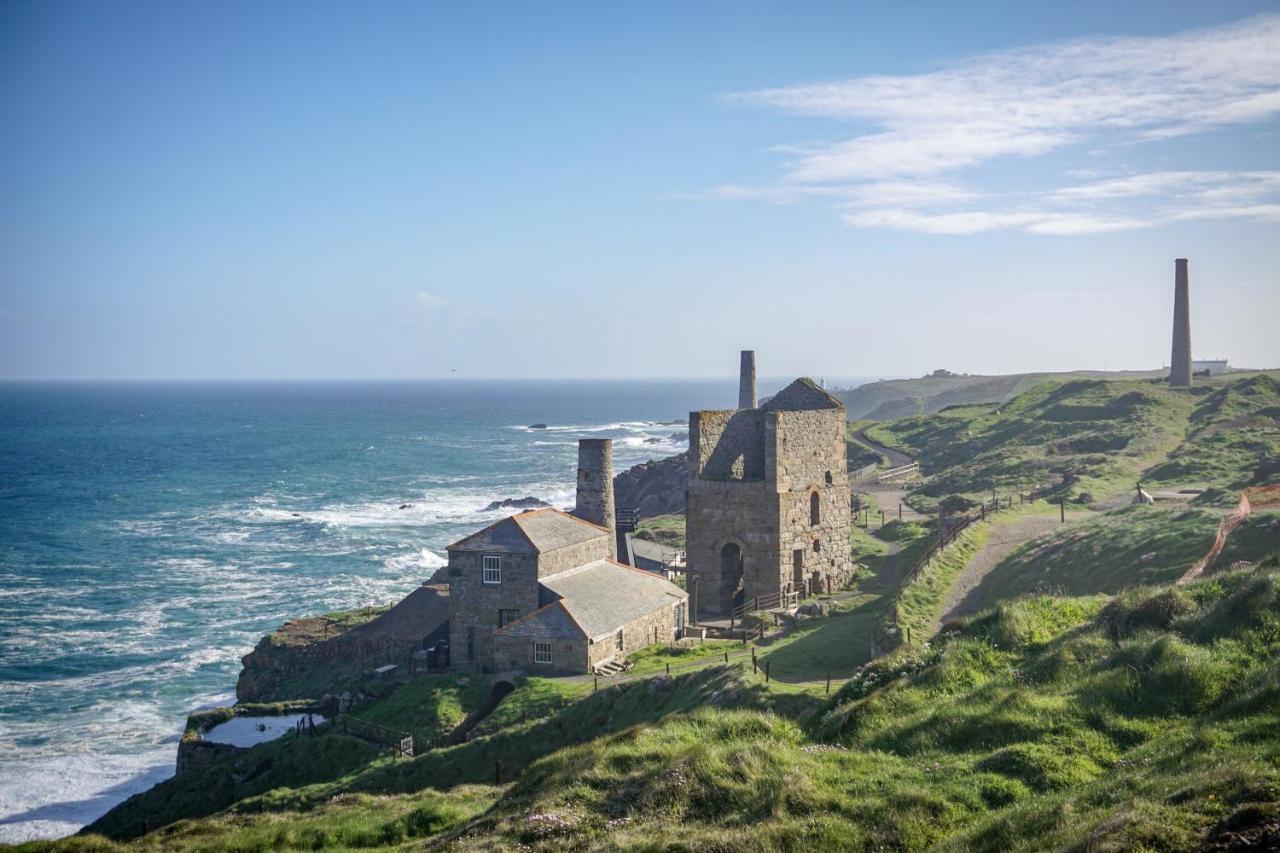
[427,708]
[1146,721]
[1128,547]
[1029,728]
[836,645]
[664,529]
[922,601]
[1234,432]
[1081,435]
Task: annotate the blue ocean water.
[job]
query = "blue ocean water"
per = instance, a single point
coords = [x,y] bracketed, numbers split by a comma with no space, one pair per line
[151,533]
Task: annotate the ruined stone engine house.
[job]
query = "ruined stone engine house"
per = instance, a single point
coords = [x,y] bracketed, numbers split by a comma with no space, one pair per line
[768,508]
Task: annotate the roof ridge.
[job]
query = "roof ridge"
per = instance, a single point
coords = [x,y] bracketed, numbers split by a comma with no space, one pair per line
[559,602]
[493,526]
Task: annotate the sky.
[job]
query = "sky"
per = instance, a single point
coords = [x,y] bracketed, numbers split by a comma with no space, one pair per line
[281,190]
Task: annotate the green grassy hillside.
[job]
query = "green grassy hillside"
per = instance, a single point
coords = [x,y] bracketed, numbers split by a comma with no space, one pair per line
[1096,437]
[1128,547]
[900,398]
[1147,721]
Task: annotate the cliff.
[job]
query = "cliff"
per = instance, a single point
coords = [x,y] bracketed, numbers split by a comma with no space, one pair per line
[655,487]
[307,658]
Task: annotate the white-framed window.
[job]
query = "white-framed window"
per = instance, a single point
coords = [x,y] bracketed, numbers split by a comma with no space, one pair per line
[541,651]
[491,568]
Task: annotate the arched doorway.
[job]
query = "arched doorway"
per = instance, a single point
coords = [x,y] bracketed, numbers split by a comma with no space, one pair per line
[731,575]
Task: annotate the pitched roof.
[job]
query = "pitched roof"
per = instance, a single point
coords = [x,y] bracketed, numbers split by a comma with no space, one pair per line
[800,396]
[553,620]
[534,532]
[604,595]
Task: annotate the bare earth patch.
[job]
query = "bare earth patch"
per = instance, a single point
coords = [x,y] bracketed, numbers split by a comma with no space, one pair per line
[1004,538]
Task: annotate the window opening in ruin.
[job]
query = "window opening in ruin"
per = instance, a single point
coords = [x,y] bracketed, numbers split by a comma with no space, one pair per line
[617,641]
[491,569]
[731,574]
[814,509]
[830,479]
[506,617]
[817,546]
[797,568]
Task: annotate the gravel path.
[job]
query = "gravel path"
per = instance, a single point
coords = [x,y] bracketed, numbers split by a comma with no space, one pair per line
[1004,539]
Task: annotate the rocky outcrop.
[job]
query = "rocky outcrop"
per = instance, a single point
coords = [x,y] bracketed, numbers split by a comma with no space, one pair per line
[654,487]
[529,502]
[307,658]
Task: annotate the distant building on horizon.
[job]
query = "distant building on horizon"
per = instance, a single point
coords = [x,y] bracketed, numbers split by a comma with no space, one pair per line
[1209,367]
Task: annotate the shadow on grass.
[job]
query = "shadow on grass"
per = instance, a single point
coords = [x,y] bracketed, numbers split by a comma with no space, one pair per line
[835,646]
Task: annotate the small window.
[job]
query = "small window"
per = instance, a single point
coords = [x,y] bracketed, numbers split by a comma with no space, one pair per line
[541,651]
[817,546]
[506,617]
[814,511]
[491,569]
[830,479]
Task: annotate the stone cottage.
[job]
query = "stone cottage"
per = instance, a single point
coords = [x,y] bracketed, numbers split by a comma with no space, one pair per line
[768,507]
[541,590]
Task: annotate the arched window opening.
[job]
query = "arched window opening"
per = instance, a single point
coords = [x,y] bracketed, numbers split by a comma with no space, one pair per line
[815,512]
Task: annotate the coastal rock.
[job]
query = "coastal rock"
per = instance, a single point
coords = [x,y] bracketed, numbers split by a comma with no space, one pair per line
[655,487]
[528,502]
[406,506]
[537,426]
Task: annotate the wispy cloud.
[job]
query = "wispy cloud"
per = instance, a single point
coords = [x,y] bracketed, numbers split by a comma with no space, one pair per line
[1102,92]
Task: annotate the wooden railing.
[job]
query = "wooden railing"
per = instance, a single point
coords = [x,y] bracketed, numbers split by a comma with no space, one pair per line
[401,742]
[900,471]
[781,600]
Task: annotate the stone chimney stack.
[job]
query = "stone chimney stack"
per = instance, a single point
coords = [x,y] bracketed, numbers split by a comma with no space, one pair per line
[1180,361]
[595,486]
[747,381]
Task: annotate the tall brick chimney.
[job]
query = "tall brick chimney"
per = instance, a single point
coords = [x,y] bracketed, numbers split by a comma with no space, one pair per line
[747,380]
[1180,360]
[595,486]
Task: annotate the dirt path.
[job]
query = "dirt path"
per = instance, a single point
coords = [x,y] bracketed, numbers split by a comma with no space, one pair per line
[1004,539]
[896,457]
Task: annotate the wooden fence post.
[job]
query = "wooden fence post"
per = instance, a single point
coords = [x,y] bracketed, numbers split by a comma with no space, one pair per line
[668,667]
[828,682]
[899,510]
[766,671]
[497,772]
[754,669]
[595,683]
[1062,511]
[726,657]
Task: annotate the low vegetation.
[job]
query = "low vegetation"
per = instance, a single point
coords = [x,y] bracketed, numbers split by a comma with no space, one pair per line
[1128,547]
[1094,436]
[665,529]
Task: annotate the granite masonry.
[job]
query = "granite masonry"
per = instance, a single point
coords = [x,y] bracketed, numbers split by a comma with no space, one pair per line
[768,502]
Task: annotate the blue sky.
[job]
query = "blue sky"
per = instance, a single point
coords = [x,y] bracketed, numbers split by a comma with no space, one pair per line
[235,190]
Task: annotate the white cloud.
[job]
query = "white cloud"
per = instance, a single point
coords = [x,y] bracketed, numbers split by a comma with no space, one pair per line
[1106,93]
[1031,100]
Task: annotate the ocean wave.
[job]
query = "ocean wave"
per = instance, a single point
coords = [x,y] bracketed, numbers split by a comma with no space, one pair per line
[424,560]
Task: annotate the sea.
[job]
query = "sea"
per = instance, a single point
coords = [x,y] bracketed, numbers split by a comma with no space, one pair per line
[151,533]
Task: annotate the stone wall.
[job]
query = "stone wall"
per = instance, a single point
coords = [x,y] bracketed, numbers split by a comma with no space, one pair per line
[802,458]
[562,559]
[474,605]
[636,635]
[515,651]
[727,445]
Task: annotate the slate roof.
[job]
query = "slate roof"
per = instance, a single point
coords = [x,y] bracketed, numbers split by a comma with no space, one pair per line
[553,620]
[801,396]
[604,595]
[535,532]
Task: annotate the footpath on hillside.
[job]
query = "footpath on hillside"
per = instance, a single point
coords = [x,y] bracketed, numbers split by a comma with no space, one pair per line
[1006,536]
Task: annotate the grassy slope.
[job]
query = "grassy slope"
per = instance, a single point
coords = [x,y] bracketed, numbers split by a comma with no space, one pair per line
[1100,436]
[1128,547]
[666,529]
[1094,435]
[1233,429]
[1049,724]
[1044,724]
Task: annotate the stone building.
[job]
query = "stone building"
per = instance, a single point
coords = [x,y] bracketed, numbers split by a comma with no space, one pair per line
[541,590]
[768,503]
